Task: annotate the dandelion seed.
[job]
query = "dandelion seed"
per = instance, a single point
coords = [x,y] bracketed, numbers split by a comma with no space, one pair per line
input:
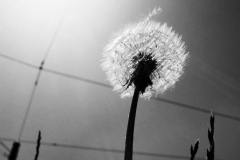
[149,45]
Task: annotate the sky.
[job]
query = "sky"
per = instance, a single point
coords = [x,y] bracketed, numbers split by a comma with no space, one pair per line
[78,113]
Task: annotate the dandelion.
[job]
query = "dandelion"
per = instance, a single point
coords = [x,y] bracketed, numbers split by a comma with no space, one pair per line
[143,58]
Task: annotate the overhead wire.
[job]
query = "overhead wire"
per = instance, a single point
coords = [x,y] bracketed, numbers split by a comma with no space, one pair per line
[198,109]
[99,149]
[108,86]
[155,98]
[18,61]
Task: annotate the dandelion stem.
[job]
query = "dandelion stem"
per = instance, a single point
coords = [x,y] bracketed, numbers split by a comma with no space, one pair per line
[130,128]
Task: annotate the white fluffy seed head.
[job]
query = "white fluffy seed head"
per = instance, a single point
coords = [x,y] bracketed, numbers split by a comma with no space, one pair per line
[148,37]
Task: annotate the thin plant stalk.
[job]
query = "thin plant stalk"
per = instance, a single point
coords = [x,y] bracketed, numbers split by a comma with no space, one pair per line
[14,151]
[194,150]
[130,128]
[38,145]
[210,151]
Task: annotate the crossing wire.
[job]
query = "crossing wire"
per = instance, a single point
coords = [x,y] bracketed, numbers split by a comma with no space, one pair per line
[39,71]
[29,105]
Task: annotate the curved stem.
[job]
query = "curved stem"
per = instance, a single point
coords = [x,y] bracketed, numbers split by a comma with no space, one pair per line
[38,145]
[130,128]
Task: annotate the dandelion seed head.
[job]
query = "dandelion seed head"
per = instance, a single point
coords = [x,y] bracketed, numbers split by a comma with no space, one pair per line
[147,47]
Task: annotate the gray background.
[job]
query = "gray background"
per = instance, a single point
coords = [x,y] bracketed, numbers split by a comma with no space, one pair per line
[87,119]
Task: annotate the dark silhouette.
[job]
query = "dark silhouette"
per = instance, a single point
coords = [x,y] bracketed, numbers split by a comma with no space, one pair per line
[144,66]
[210,151]
[194,150]
[14,151]
[38,145]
